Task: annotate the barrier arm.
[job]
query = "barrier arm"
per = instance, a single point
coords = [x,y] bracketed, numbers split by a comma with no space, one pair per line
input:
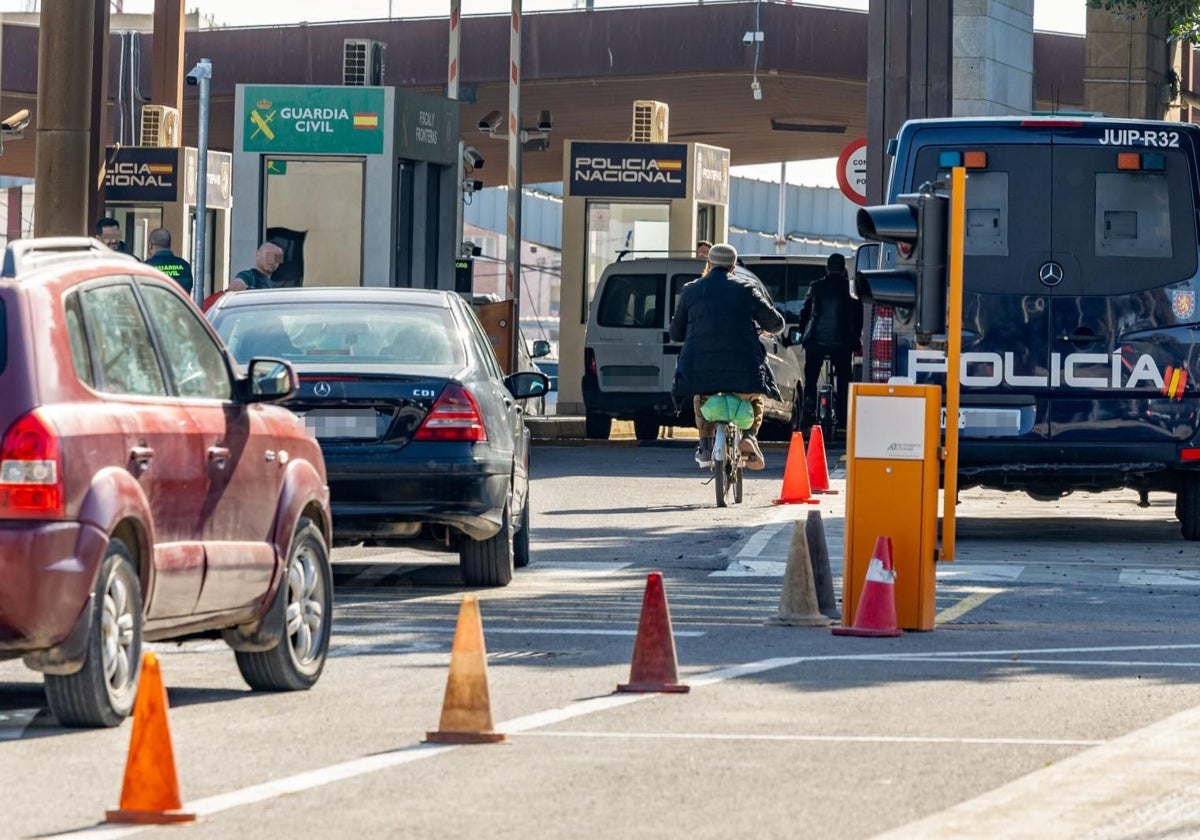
[958,207]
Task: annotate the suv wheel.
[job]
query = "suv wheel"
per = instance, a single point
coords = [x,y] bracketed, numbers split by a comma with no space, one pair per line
[1187,506]
[307,594]
[645,428]
[101,693]
[489,562]
[597,426]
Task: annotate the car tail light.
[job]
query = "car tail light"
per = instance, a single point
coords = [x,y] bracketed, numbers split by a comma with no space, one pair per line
[454,416]
[883,345]
[30,470]
[589,361]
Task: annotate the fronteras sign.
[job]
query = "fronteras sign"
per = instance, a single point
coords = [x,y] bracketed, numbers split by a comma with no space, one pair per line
[136,173]
[629,170]
[325,120]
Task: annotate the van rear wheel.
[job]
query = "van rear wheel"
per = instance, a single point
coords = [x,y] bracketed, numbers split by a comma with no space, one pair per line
[645,428]
[1187,507]
[597,426]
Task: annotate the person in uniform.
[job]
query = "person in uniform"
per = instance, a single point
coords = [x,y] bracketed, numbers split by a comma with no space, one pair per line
[162,258]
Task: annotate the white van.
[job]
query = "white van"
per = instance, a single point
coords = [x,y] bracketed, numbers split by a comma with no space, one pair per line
[629,358]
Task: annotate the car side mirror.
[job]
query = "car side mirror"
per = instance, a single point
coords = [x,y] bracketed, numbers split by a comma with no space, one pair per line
[271,380]
[527,383]
[541,348]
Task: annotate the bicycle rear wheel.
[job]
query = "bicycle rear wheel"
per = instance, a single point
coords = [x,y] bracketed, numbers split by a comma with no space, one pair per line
[726,474]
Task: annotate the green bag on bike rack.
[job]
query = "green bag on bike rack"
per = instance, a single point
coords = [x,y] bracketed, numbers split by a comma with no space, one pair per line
[728,408]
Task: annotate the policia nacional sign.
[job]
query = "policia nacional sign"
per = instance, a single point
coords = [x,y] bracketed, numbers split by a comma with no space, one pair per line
[629,170]
[323,120]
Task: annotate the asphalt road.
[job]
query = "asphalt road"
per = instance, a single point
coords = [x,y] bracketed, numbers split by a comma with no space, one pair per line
[1068,643]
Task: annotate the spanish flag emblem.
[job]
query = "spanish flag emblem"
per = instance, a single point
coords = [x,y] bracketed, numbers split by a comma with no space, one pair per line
[1174,383]
[364,120]
[160,168]
[669,165]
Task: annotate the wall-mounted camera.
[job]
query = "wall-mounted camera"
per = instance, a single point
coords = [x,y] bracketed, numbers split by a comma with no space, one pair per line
[16,123]
[472,157]
[202,70]
[492,123]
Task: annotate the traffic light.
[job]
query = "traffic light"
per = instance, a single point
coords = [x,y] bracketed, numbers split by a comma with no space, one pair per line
[919,227]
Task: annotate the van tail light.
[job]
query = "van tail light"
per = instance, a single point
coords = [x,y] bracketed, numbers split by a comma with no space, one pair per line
[454,416]
[30,470]
[883,345]
[589,362]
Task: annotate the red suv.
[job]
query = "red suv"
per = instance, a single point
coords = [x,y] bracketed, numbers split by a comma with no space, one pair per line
[147,491]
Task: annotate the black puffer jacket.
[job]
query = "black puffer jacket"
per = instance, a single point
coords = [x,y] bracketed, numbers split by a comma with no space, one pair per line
[718,319]
[830,318]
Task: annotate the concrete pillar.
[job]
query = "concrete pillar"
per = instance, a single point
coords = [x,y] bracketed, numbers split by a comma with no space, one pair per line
[64,118]
[1126,61]
[993,57]
[908,74]
[166,73]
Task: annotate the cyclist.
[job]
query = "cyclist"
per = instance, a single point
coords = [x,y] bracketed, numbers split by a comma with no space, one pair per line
[718,319]
[831,325]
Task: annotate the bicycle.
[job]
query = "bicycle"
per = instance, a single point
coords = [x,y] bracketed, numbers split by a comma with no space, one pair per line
[827,417]
[728,461]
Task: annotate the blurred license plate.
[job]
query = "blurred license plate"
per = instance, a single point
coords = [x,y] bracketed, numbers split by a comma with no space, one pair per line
[343,423]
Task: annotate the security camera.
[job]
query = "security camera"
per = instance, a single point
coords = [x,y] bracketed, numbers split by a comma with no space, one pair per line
[470,185]
[492,123]
[472,157]
[16,123]
[545,121]
[202,70]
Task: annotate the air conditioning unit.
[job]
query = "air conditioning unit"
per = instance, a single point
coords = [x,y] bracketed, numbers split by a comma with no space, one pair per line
[362,62]
[160,126]
[650,121]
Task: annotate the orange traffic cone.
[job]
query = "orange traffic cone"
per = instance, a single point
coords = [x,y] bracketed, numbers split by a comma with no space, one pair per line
[150,792]
[795,475]
[466,709]
[654,665]
[818,467]
[875,614]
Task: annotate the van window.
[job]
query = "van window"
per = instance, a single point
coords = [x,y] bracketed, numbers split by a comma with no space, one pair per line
[787,284]
[1132,215]
[632,300]
[678,281]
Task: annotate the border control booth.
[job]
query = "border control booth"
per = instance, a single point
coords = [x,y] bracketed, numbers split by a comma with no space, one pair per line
[148,187]
[357,185]
[629,200]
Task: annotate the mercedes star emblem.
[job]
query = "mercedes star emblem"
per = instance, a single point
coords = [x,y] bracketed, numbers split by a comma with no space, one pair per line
[322,389]
[1051,273]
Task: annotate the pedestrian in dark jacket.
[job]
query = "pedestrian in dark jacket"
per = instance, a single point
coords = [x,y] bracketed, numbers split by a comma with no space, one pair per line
[718,319]
[162,258]
[831,325]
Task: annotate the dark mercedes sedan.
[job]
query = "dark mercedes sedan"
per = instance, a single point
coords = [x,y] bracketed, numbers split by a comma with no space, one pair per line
[424,436]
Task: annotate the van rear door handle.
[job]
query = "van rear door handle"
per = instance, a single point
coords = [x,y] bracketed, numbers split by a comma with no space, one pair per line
[1080,338]
[140,457]
[218,456]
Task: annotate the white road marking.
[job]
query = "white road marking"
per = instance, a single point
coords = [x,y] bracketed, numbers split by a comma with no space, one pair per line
[14,722]
[752,568]
[344,629]
[382,761]
[1159,577]
[849,739]
[755,545]
[964,571]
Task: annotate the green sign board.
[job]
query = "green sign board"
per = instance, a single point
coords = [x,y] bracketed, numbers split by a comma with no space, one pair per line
[326,120]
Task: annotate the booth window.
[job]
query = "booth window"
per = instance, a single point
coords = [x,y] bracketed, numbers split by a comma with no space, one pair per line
[319,201]
[638,229]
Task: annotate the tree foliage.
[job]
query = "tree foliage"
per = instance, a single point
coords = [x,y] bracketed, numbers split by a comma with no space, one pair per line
[1182,16]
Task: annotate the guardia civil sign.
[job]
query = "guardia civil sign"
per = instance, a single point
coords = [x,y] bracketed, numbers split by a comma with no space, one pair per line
[325,119]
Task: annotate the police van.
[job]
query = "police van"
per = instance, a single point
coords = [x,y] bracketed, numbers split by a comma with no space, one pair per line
[1081,340]
[629,358]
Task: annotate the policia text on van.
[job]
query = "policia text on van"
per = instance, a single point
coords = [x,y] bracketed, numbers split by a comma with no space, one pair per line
[1081,339]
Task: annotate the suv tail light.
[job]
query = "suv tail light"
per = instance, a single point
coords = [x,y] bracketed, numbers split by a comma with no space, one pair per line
[30,470]
[589,361]
[883,345]
[454,416]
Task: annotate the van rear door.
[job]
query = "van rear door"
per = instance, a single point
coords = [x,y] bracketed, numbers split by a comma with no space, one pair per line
[626,331]
[1124,239]
[1006,308]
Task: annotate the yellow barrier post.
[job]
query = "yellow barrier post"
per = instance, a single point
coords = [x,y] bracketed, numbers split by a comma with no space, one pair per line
[958,205]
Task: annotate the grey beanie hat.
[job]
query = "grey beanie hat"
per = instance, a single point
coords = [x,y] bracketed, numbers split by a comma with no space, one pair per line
[723,255]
